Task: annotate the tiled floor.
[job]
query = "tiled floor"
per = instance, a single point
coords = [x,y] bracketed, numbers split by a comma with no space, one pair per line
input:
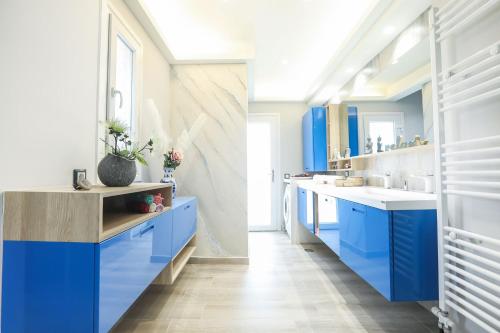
[284,289]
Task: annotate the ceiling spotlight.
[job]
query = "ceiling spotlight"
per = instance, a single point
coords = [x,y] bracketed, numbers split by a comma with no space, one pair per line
[284,61]
[349,70]
[389,30]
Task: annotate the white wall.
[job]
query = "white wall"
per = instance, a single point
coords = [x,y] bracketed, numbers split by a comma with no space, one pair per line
[48,90]
[290,132]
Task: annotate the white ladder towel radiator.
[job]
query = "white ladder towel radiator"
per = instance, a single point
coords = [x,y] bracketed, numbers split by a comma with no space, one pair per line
[466,92]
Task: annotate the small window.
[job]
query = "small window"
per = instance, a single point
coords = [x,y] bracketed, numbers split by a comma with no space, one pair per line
[123,86]
[387,125]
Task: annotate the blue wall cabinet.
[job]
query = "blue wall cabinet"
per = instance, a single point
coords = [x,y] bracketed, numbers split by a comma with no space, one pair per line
[86,287]
[394,251]
[314,144]
[352,123]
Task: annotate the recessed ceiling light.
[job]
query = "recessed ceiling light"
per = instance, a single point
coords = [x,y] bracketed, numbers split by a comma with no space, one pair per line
[284,61]
[349,70]
[389,30]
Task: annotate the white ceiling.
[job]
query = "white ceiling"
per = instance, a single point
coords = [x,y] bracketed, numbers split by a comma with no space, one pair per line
[291,45]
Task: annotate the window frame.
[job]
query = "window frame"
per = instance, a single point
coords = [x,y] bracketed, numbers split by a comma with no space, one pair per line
[366,117]
[118,28]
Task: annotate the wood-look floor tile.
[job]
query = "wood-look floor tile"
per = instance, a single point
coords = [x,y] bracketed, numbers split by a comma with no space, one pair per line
[283,289]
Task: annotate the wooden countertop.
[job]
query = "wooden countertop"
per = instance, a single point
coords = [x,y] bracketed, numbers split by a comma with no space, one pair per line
[61,214]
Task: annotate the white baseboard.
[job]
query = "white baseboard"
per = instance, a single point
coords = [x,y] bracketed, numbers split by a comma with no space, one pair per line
[219,260]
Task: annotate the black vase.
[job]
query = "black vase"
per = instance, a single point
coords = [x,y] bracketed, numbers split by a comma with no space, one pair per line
[116,171]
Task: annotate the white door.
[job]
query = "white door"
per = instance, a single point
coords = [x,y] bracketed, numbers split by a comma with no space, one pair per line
[263,172]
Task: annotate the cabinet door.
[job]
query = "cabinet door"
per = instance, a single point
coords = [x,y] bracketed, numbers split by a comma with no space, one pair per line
[319,139]
[126,267]
[365,243]
[184,224]
[307,142]
[415,255]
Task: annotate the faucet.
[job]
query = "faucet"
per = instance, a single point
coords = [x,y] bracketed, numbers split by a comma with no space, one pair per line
[404,185]
[427,178]
[387,179]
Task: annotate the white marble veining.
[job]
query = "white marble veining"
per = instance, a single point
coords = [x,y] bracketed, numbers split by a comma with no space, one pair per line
[209,121]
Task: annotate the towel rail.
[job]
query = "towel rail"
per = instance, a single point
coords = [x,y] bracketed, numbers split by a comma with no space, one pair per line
[489,161]
[479,312]
[472,173]
[482,282]
[472,317]
[472,141]
[474,194]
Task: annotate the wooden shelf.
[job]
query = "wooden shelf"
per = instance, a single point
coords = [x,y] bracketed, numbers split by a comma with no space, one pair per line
[175,267]
[116,222]
[407,150]
[61,214]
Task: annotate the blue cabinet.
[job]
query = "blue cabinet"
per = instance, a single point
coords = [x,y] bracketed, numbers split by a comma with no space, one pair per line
[86,287]
[314,145]
[352,123]
[127,265]
[394,251]
[304,205]
[184,222]
[364,243]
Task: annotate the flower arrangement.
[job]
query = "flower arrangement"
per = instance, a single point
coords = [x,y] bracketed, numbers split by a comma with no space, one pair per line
[123,145]
[173,158]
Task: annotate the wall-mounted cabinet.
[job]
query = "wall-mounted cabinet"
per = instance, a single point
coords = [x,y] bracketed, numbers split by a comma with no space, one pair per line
[314,140]
[76,261]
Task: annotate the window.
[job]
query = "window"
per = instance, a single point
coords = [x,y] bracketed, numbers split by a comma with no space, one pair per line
[124,76]
[387,125]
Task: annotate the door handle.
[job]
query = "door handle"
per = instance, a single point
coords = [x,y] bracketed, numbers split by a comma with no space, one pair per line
[115,92]
[143,231]
[272,175]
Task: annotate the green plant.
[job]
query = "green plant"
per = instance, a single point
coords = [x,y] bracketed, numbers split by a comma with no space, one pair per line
[123,145]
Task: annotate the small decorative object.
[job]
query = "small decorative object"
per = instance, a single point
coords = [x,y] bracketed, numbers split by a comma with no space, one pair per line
[80,181]
[172,160]
[418,142]
[336,154]
[387,147]
[369,146]
[118,167]
[379,144]
[158,200]
[399,141]
[348,152]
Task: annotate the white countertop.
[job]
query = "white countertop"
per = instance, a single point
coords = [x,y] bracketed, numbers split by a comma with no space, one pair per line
[386,199]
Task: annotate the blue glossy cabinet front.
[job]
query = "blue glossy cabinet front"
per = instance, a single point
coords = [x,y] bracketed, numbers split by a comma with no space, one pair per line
[47,287]
[365,245]
[394,251]
[314,145]
[86,287]
[127,265]
[184,222]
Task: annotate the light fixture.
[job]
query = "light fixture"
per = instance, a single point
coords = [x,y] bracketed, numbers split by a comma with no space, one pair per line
[349,70]
[389,30]
[284,61]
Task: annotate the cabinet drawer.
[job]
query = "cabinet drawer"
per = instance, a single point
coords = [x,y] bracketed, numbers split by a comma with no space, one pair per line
[365,243]
[184,224]
[126,267]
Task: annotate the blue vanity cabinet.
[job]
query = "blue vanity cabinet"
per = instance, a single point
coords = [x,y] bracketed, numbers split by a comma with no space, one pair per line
[394,251]
[365,243]
[352,123]
[415,262]
[302,205]
[314,144]
[184,222]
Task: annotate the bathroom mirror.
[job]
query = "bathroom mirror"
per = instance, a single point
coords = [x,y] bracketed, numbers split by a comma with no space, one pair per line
[390,98]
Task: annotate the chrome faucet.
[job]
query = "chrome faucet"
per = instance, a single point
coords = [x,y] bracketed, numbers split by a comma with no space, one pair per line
[404,186]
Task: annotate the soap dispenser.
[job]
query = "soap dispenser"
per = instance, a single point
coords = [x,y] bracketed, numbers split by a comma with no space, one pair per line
[387,180]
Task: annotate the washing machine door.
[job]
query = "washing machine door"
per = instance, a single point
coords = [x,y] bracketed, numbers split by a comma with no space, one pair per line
[287,214]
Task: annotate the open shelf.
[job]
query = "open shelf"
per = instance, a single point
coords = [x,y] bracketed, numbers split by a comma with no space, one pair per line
[117,217]
[407,150]
[175,267]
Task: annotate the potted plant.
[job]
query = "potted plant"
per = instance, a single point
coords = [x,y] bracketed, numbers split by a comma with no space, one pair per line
[172,159]
[118,167]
